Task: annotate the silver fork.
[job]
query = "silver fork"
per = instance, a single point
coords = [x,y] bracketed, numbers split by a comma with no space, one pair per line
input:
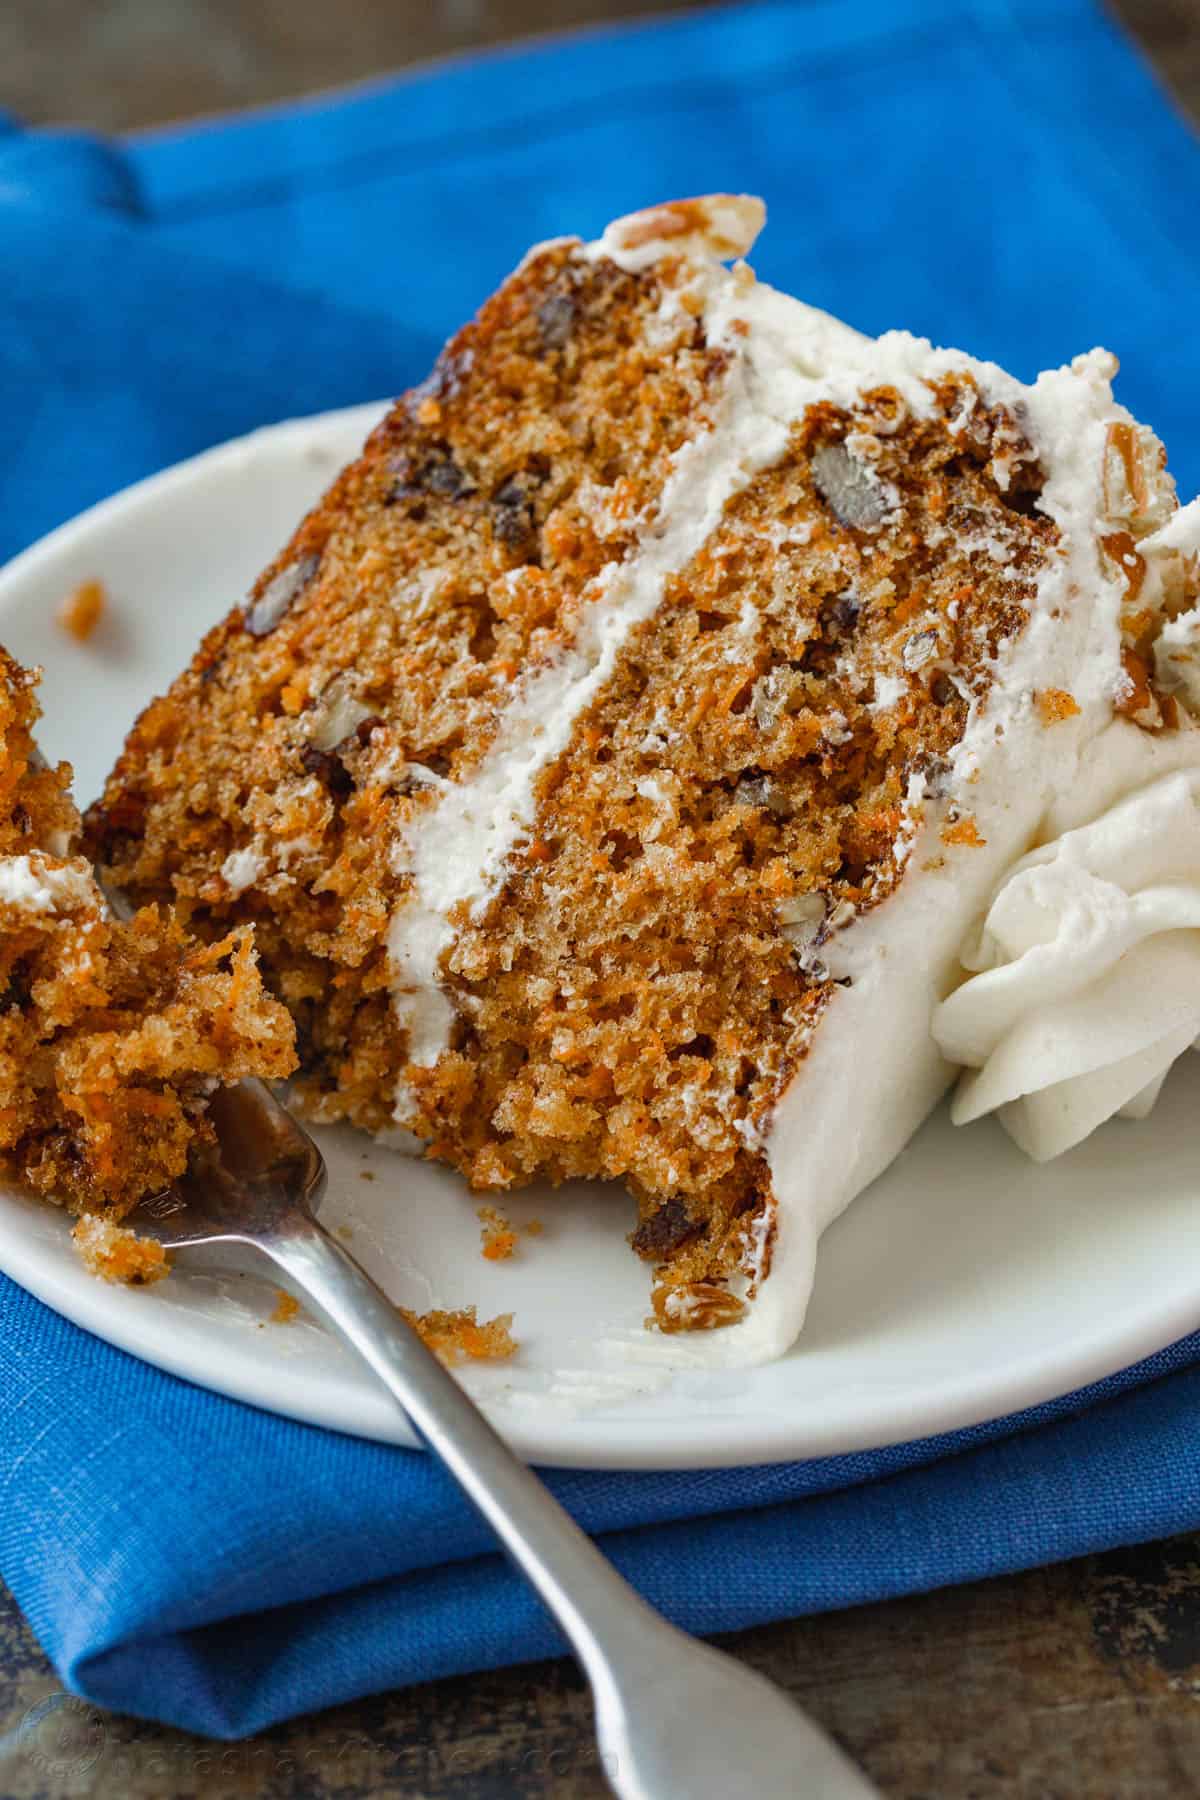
[675,1718]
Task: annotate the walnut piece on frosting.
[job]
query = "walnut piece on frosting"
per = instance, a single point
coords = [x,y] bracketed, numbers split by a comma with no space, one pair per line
[719,225]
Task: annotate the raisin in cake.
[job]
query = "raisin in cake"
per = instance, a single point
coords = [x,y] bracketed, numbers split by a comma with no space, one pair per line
[615,759]
[111,1034]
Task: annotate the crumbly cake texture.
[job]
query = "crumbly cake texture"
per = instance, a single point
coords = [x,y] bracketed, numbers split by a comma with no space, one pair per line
[459,1337]
[614,759]
[117,1254]
[111,1034]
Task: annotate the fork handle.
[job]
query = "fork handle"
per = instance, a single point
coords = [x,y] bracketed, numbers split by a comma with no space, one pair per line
[674,1716]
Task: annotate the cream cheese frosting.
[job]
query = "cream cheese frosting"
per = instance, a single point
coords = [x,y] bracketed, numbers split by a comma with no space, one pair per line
[38,886]
[1086,974]
[1085,977]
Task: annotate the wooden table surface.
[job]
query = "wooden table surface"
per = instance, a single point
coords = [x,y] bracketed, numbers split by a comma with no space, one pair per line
[1080,1682]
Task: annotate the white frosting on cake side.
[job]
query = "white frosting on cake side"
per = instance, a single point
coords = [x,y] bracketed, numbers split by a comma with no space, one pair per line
[874,1069]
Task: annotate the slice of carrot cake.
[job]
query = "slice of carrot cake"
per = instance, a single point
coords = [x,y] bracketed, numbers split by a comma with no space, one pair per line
[111,1034]
[615,760]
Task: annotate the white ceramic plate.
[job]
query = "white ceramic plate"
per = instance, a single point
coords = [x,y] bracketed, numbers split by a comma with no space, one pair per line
[965,1284]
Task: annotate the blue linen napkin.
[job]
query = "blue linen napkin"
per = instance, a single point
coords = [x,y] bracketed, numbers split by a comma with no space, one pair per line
[1000,175]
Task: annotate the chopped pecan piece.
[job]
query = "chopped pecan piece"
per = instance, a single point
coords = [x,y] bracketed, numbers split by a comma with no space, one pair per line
[265,610]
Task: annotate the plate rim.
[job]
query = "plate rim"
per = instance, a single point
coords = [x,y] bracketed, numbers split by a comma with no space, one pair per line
[150,487]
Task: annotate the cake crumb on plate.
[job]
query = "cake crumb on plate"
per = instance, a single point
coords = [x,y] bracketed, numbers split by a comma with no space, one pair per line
[499,1238]
[286,1308]
[83,609]
[117,1254]
[457,1337]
